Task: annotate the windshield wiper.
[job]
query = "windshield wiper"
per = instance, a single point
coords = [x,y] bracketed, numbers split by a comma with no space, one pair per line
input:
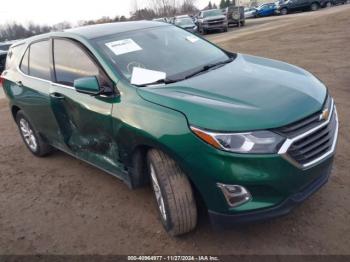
[208,67]
[160,81]
[201,70]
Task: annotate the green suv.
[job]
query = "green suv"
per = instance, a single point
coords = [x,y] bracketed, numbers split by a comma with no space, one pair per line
[246,137]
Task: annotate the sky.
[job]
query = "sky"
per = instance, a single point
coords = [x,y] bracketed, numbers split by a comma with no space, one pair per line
[51,12]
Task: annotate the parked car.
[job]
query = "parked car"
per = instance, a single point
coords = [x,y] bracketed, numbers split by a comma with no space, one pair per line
[4,46]
[249,12]
[235,15]
[203,124]
[213,19]
[265,10]
[185,22]
[162,19]
[284,7]
[329,3]
[3,55]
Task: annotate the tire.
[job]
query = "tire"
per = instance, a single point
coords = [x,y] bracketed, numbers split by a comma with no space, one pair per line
[314,7]
[202,31]
[31,138]
[284,11]
[328,4]
[173,192]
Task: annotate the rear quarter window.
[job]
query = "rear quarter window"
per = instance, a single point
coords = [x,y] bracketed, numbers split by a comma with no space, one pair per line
[14,56]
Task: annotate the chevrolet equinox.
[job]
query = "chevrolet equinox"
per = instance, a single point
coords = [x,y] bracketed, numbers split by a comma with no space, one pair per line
[149,102]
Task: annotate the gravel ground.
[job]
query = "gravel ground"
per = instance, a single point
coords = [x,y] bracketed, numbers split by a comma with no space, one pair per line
[59,205]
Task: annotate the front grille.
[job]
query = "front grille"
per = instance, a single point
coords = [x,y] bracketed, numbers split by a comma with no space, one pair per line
[216,22]
[314,145]
[305,124]
[310,139]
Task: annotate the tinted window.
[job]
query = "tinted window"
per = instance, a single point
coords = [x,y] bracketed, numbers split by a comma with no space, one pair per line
[39,60]
[72,62]
[25,63]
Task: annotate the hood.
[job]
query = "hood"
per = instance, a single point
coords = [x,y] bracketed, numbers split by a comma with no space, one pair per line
[249,93]
[210,18]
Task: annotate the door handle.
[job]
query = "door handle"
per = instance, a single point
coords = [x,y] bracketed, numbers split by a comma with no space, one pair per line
[19,83]
[56,95]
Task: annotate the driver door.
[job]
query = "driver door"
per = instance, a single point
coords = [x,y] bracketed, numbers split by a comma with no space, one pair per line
[84,120]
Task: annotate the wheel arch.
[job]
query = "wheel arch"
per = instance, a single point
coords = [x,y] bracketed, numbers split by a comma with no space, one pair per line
[14,111]
[139,176]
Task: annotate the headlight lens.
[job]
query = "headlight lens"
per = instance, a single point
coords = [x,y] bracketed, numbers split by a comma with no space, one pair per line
[258,142]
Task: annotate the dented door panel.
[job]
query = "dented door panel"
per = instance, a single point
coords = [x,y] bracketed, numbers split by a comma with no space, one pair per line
[85,122]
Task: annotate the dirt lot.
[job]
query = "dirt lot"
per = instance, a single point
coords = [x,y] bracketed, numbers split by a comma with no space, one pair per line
[59,205]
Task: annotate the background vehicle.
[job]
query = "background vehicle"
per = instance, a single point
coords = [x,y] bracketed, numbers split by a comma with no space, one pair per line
[284,7]
[185,22]
[3,55]
[235,15]
[213,19]
[162,19]
[249,12]
[4,46]
[265,10]
[329,3]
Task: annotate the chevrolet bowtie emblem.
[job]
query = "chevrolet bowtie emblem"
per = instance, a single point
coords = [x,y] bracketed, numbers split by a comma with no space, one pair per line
[324,115]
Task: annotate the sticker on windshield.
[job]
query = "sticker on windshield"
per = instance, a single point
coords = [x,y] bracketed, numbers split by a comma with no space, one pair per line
[192,38]
[124,46]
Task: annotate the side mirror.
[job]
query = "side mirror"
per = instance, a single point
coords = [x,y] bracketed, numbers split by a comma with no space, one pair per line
[87,85]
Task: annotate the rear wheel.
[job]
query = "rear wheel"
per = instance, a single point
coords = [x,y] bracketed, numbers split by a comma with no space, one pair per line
[314,7]
[173,192]
[31,137]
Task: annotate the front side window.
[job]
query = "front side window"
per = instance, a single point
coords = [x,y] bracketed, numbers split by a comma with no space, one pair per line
[72,62]
[168,49]
[39,60]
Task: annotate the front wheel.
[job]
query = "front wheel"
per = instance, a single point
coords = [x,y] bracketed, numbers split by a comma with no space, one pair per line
[173,192]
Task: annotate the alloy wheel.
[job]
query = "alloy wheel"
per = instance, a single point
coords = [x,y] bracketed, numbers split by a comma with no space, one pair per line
[28,135]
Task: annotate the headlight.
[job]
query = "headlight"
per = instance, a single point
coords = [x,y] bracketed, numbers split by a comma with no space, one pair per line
[258,142]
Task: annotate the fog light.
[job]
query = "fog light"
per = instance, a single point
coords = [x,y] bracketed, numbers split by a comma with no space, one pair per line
[235,195]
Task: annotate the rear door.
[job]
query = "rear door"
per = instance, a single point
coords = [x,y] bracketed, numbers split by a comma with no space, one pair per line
[84,120]
[29,85]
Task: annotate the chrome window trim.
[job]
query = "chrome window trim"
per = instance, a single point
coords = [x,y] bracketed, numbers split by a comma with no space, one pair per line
[44,80]
[289,141]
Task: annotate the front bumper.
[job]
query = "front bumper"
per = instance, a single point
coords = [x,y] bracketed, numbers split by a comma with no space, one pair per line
[215,26]
[227,220]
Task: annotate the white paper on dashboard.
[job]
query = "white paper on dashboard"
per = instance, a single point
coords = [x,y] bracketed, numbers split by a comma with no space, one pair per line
[144,76]
[123,46]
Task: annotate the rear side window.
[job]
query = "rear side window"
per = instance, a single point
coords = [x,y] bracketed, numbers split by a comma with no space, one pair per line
[39,60]
[25,63]
[72,62]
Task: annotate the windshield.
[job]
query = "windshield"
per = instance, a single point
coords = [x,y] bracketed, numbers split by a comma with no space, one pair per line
[167,49]
[184,22]
[214,12]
